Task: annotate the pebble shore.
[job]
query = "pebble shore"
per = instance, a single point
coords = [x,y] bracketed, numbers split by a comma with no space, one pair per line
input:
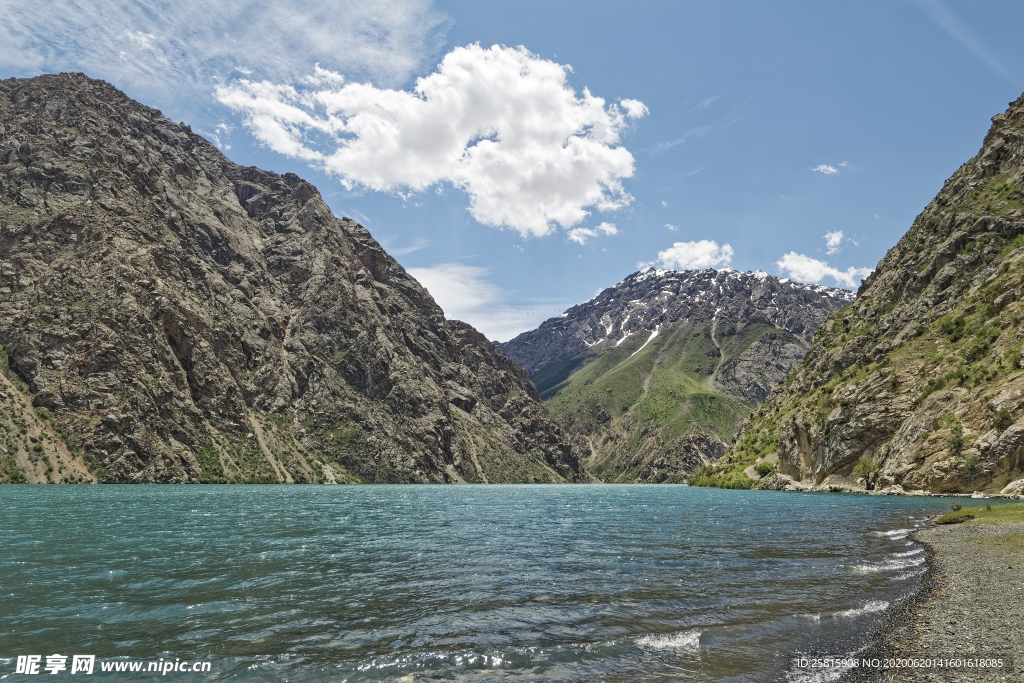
[971,605]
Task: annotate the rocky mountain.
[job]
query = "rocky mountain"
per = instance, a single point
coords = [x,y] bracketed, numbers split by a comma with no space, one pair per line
[653,375]
[169,316]
[918,386]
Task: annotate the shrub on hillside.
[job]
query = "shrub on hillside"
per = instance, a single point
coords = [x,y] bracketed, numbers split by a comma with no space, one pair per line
[730,479]
[865,469]
[955,440]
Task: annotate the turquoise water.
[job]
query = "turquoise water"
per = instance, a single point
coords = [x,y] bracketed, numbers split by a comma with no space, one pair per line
[446,583]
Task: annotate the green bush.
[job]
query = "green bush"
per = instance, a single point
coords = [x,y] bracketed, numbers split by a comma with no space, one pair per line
[705,471]
[730,479]
[10,473]
[1013,357]
[1002,419]
[864,468]
[976,349]
[983,339]
[763,469]
[955,440]
[209,461]
[953,327]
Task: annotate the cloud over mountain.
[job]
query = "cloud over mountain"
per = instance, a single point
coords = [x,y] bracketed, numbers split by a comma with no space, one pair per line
[500,123]
[833,240]
[806,269]
[695,255]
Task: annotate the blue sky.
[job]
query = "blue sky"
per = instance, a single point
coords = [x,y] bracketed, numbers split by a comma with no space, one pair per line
[554,147]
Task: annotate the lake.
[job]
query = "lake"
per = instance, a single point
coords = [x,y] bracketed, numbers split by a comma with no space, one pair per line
[447,583]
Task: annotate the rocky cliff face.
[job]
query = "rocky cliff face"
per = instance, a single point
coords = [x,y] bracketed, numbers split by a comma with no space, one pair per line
[919,382]
[653,374]
[174,317]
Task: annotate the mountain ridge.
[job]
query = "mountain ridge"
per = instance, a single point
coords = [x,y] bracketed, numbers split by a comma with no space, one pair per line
[174,317]
[653,374]
[582,334]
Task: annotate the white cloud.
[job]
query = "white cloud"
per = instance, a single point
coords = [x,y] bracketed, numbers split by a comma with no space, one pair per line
[671,227]
[580,235]
[500,123]
[464,293]
[457,288]
[806,269]
[832,240]
[695,255]
[664,203]
[634,108]
[826,169]
[173,52]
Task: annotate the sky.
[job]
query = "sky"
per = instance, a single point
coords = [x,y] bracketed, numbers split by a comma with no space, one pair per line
[517,158]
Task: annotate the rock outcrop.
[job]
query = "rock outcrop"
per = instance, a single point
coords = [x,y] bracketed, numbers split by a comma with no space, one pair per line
[654,374]
[175,317]
[917,386]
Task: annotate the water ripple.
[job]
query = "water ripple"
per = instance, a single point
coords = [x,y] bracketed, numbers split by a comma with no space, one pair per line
[482,583]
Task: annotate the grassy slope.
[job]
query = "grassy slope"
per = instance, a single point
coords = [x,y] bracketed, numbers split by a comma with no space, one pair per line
[661,391]
[992,514]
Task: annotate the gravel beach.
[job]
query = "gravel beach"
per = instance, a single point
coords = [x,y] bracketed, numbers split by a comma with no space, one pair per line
[972,605]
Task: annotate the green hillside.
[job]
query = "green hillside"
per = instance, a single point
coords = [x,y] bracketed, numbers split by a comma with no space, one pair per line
[652,376]
[651,412]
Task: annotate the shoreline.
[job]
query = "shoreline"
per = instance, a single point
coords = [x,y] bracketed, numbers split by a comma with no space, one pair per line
[897,630]
[969,603]
[794,487]
[898,627]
